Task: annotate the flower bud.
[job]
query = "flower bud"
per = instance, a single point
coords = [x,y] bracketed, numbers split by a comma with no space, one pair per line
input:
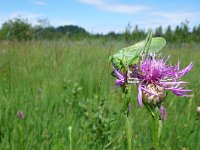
[155,94]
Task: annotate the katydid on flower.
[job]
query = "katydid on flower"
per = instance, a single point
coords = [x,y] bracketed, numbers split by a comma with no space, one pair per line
[130,55]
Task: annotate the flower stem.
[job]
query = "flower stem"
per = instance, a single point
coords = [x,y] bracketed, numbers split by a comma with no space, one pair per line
[128,132]
[127,97]
[156,132]
[158,125]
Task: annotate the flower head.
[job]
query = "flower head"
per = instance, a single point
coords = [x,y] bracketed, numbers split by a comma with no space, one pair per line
[20,114]
[155,77]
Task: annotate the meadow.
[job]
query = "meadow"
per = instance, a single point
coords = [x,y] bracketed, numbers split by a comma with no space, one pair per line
[69,99]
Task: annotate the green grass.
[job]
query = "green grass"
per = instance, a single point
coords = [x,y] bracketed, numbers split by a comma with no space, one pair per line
[68,84]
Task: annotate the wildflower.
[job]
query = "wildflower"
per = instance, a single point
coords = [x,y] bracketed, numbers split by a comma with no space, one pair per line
[198,110]
[121,78]
[154,77]
[20,115]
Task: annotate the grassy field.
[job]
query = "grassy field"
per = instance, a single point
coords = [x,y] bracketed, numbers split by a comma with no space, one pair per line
[63,85]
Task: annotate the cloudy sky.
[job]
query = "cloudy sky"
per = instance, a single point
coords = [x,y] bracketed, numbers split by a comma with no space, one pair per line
[104,15]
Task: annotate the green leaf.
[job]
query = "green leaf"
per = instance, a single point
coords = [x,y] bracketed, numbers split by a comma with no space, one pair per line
[160,128]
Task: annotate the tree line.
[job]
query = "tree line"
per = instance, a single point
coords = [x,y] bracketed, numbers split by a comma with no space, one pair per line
[20,30]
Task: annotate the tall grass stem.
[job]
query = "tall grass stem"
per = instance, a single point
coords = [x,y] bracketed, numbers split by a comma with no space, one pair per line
[70,137]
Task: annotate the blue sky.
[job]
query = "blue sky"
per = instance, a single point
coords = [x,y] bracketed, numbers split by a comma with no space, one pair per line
[104,15]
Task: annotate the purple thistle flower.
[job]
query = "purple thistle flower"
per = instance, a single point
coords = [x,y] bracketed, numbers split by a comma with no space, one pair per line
[20,115]
[154,77]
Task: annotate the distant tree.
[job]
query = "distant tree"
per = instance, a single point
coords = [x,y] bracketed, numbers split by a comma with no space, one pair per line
[72,31]
[159,31]
[128,28]
[177,33]
[194,30]
[169,34]
[182,33]
[16,29]
[112,35]
[196,33]
[20,29]
[185,31]
[49,33]
[137,34]
[43,23]
[136,29]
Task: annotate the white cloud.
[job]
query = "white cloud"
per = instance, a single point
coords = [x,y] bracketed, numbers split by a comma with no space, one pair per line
[151,20]
[42,3]
[176,17]
[154,19]
[115,7]
[147,17]
[93,2]
[33,18]
[122,8]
